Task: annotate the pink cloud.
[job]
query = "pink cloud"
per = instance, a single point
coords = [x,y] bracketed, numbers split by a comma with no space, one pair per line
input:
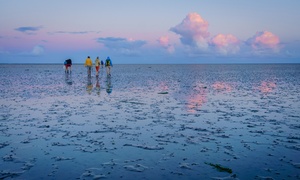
[265,40]
[193,31]
[226,43]
[164,42]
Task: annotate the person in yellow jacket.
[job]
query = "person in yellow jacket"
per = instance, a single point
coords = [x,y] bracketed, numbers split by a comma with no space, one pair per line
[88,63]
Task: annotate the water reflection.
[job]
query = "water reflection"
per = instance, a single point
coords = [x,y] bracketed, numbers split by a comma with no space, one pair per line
[68,78]
[266,87]
[197,98]
[195,102]
[163,86]
[108,85]
[89,85]
[222,86]
[97,85]
[193,95]
[94,85]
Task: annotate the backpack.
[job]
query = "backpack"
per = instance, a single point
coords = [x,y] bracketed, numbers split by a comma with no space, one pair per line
[69,61]
[107,63]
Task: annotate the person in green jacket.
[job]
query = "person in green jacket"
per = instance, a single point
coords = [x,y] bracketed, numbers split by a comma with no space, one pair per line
[88,63]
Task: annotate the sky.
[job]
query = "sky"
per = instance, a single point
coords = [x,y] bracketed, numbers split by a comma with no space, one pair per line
[150,32]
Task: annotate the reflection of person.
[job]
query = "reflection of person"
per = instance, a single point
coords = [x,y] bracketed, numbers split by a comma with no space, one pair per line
[88,63]
[97,65]
[68,64]
[108,85]
[97,86]
[108,65]
[89,85]
[68,79]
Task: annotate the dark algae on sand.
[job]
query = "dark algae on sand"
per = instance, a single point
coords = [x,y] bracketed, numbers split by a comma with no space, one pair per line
[220,167]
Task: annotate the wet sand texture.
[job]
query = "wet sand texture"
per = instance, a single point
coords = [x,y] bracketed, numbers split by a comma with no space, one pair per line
[150,122]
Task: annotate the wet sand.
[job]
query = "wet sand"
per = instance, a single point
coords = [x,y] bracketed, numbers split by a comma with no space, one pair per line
[150,122]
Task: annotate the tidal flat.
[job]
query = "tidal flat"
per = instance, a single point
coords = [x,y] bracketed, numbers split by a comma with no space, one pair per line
[150,122]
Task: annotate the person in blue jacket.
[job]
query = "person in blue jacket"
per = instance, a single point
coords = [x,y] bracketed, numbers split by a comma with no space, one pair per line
[108,65]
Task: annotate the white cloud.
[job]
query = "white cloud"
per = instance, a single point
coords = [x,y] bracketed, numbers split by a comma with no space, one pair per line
[193,31]
[37,50]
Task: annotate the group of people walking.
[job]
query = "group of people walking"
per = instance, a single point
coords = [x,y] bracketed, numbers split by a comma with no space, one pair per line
[89,64]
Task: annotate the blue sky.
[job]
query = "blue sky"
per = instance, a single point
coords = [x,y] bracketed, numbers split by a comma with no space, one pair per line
[140,31]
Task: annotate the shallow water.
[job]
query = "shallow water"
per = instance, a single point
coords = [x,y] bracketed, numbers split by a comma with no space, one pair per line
[150,122]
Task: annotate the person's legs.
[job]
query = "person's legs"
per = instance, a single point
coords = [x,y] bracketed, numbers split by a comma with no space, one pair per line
[89,70]
[107,70]
[97,70]
[68,68]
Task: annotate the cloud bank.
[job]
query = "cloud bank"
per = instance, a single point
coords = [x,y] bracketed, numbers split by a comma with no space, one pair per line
[122,45]
[194,34]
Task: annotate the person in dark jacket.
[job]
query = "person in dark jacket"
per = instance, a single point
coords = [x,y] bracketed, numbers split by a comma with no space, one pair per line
[68,65]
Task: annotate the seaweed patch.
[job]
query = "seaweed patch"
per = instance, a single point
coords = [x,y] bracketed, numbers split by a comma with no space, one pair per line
[220,167]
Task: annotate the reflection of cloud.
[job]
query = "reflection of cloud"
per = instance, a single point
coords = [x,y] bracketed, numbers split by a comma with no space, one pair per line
[193,31]
[222,86]
[125,46]
[196,98]
[226,44]
[164,42]
[267,87]
[163,86]
[28,29]
[263,41]
[195,102]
